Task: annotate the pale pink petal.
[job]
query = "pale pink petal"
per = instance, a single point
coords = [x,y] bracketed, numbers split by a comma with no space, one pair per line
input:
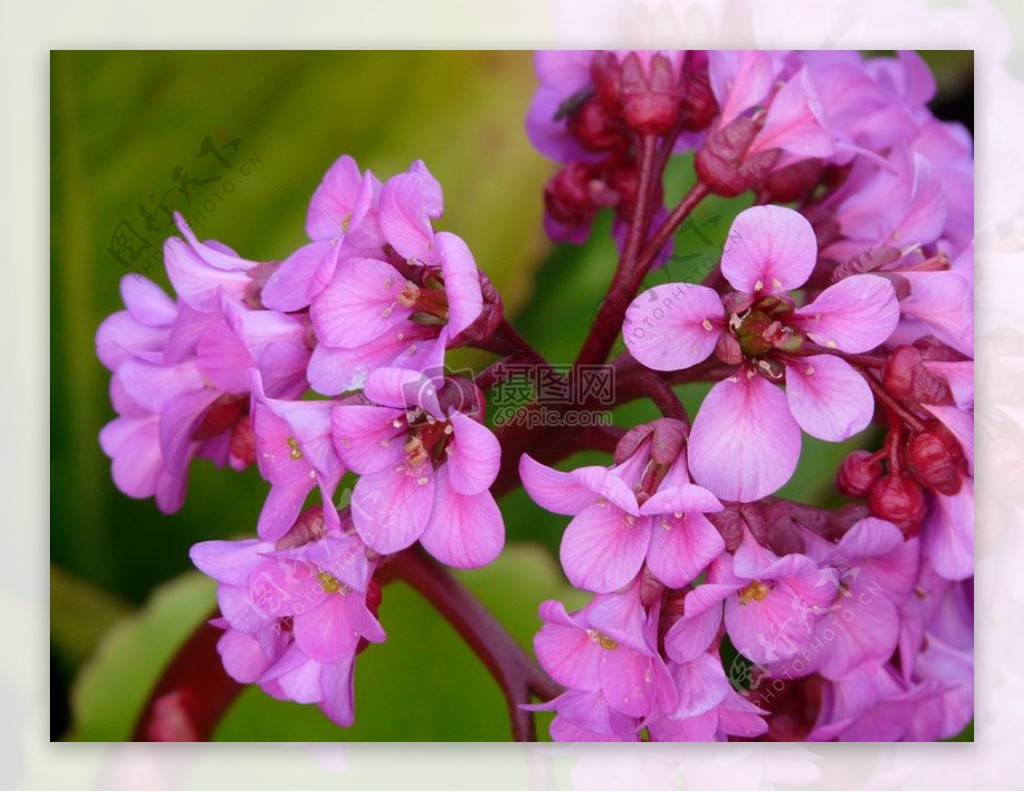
[944,302]
[558,492]
[694,633]
[948,534]
[464,531]
[682,547]
[327,633]
[282,506]
[334,370]
[674,326]
[770,249]
[331,205]
[473,456]
[603,547]
[403,387]
[337,686]
[365,436]
[360,304]
[702,685]
[795,121]
[744,444]
[391,508]
[227,562]
[828,398]
[855,315]
[461,282]
[408,201]
[288,289]
[147,303]
[566,651]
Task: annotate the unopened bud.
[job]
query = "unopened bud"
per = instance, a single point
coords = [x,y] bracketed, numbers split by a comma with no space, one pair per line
[596,128]
[900,501]
[699,106]
[243,442]
[650,98]
[858,474]
[935,461]
[905,377]
[668,440]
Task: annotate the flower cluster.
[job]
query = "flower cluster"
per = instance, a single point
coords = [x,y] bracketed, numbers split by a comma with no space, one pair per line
[841,306]
[720,609]
[363,313]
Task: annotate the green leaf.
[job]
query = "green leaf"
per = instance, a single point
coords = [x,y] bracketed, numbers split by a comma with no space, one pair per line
[79,614]
[112,687]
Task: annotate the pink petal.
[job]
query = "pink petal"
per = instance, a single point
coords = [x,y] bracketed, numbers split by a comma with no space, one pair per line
[402,387]
[147,303]
[828,398]
[961,424]
[152,386]
[674,326]
[196,281]
[635,684]
[334,370]
[134,446]
[682,547]
[327,633]
[288,289]
[223,359]
[744,443]
[948,534]
[242,656]
[408,201]
[360,304]
[464,531]
[795,121]
[959,375]
[391,508]
[227,562]
[855,315]
[770,249]
[865,628]
[702,685]
[694,633]
[365,436]
[740,79]
[282,506]
[461,282]
[337,686]
[474,456]
[604,547]
[332,203]
[568,653]
[944,302]
[558,492]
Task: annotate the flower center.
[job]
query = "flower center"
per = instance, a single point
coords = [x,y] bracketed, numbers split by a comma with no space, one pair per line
[602,640]
[755,590]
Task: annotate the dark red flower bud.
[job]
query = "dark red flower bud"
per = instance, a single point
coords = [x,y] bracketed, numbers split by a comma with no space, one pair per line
[630,442]
[718,160]
[858,474]
[461,394]
[900,501]
[575,193]
[728,349]
[606,74]
[490,317]
[308,527]
[935,459]
[668,440]
[792,183]
[650,98]
[221,416]
[243,441]
[905,376]
[596,128]
[699,105]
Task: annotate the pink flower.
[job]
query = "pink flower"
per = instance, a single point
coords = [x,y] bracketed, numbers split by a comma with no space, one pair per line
[380,309]
[296,612]
[295,453]
[606,656]
[745,441]
[425,466]
[771,605]
[341,220]
[642,510]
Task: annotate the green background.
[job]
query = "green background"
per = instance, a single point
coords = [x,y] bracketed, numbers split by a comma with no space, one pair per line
[122,591]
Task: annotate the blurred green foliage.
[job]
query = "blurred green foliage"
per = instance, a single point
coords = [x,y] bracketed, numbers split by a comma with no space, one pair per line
[121,124]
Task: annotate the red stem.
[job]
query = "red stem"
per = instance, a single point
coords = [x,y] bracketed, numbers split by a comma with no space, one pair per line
[192,694]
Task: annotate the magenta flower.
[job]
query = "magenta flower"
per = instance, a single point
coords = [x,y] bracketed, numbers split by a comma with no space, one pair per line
[425,466]
[643,509]
[606,656]
[377,311]
[295,453]
[341,220]
[771,605]
[745,441]
[295,612]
